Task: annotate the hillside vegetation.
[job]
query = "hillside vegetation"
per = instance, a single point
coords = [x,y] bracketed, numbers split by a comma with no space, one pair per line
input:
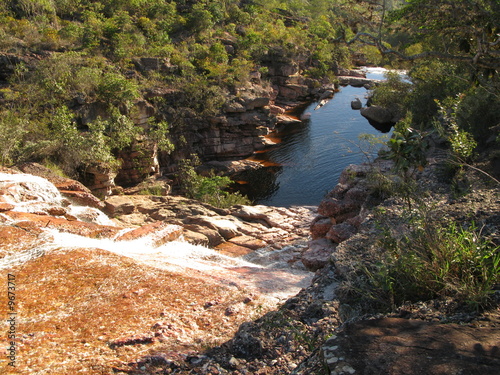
[63,53]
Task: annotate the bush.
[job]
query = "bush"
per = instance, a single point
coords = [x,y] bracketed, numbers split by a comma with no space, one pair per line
[433,80]
[393,94]
[437,262]
[12,131]
[207,189]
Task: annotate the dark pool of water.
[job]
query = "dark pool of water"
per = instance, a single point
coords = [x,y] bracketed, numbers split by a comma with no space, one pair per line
[312,154]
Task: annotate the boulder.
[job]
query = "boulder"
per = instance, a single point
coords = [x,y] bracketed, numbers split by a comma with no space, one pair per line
[232,249]
[227,227]
[377,114]
[212,235]
[333,207]
[195,238]
[356,104]
[320,226]
[341,232]
[119,205]
[318,254]
[357,81]
[6,207]
[248,242]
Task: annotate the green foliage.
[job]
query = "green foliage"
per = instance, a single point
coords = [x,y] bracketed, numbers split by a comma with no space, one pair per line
[157,190]
[393,94]
[406,148]
[462,143]
[68,147]
[12,131]
[437,262]
[207,189]
[433,79]
[115,89]
[454,30]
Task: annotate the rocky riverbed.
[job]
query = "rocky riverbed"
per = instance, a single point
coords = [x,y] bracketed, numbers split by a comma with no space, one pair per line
[168,285]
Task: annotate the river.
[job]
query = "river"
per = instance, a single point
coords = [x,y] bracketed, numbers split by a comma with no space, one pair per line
[307,163]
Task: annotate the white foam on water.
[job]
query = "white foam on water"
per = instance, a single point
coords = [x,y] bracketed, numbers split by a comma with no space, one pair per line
[178,253]
[29,193]
[91,214]
[33,194]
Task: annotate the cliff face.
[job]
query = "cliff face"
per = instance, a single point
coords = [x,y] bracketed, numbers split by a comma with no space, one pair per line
[239,128]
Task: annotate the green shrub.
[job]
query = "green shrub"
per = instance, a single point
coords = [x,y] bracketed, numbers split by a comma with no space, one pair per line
[437,262]
[12,131]
[393,94]
[207,189]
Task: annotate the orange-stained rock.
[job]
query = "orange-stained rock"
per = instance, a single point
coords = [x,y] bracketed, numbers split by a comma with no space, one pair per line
[16,238]
[233,250]
[160,232]
[75,227]
[248,241]
[82,198]
[6,207]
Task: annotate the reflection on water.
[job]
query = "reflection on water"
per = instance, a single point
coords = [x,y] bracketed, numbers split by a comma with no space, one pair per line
[312,154]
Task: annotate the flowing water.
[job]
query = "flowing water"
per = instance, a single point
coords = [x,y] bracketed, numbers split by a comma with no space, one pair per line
[33,194]
[310,157]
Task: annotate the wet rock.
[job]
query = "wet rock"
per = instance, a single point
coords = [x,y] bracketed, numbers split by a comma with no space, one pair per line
[6,207]
[57,211]
[83,198]
[248,242]
[162,233]
[119,205]
[356,104]
[232,249]
[134,340]
[91,230]
[378,115]
[227,227]
[229,168]
[212,235]
[357,81]
[195,238]
[74,190]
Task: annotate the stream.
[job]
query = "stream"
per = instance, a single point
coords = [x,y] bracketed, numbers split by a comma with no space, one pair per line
[307,163]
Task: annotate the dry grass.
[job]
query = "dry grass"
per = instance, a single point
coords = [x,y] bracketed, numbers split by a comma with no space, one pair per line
[72,304]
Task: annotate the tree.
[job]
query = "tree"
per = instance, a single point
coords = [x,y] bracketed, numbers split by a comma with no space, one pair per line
[454,30]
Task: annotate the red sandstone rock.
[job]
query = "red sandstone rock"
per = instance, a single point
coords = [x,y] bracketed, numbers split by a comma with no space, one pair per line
[248,241]
[321,226]
[82,198]
[75,227]
[341,232]
[6,207]
[159,231]
[318,255]
[233,250]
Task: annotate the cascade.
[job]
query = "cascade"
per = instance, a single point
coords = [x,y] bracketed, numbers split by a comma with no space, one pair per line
[36,195]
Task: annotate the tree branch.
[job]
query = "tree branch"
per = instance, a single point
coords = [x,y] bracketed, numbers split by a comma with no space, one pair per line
[371,40]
